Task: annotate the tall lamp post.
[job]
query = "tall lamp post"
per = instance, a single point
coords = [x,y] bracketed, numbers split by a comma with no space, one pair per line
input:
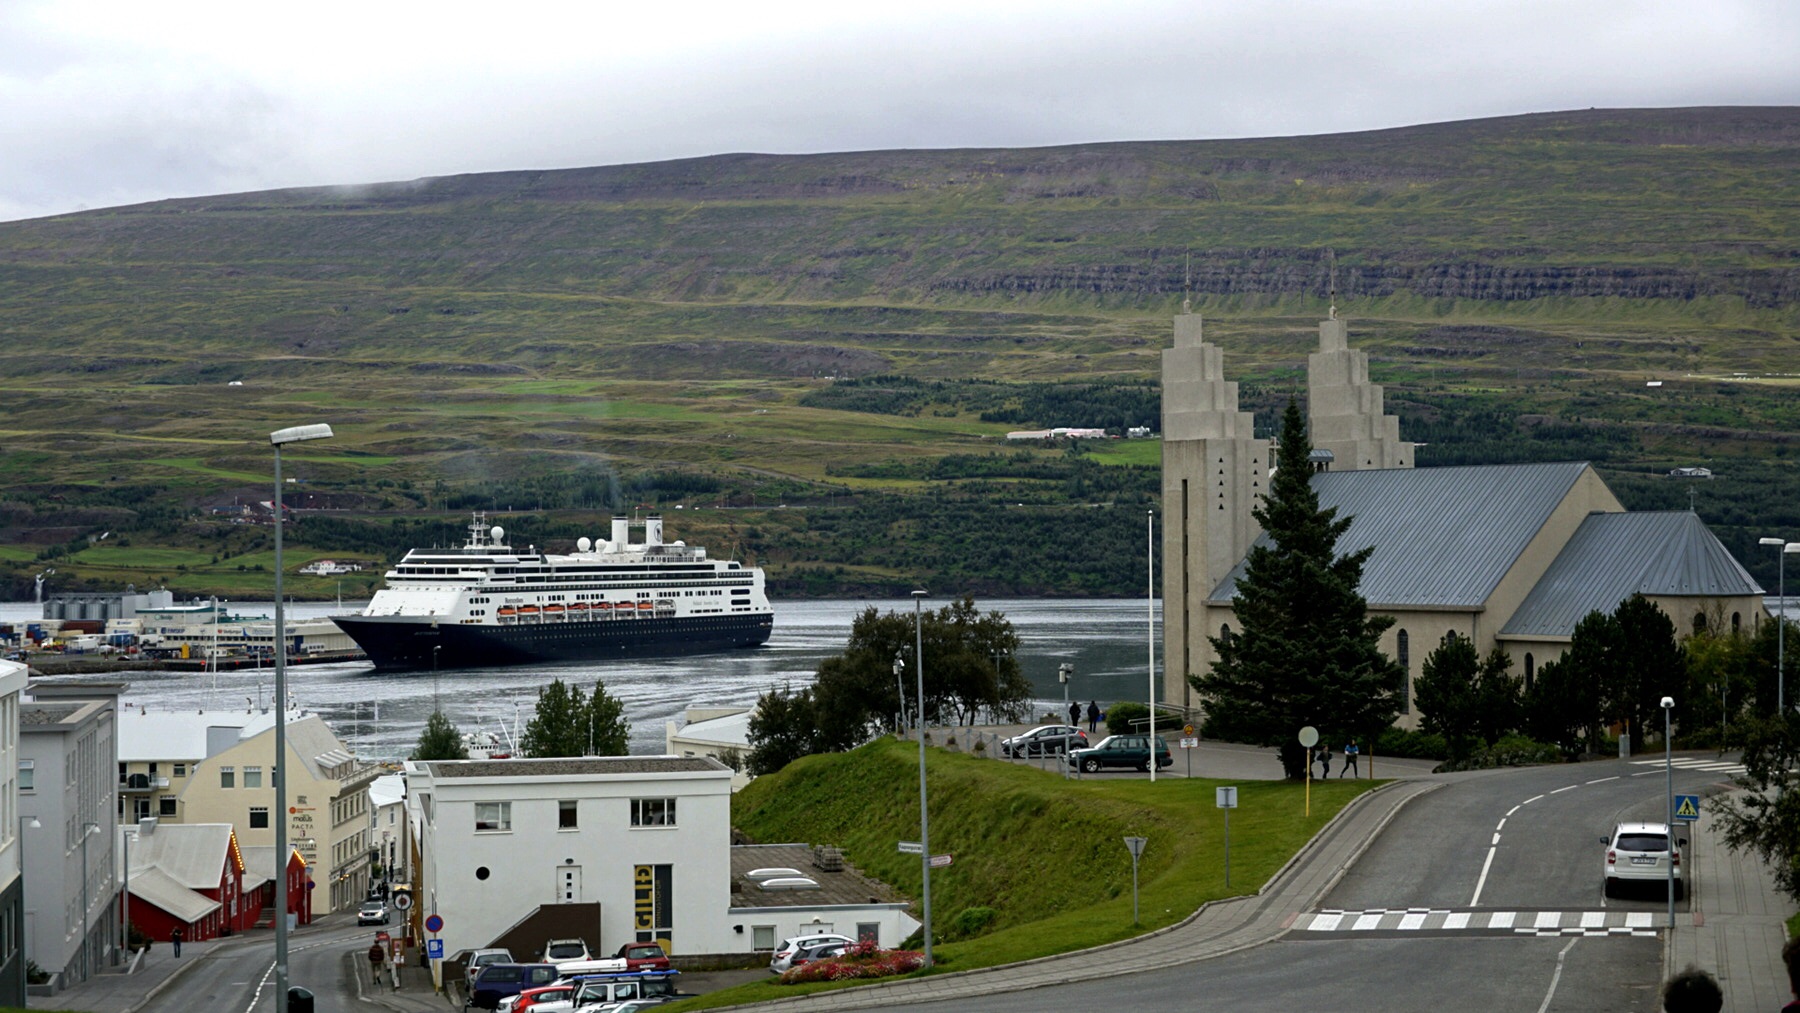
[278,439]
[924,818]
[1668,704]
[900,689]
[1783,547]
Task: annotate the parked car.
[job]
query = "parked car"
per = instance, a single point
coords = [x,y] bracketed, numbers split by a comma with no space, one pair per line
[627,1006]
[1640,852]
[372,912]
[497,981]
[597,989]
[532,996]
[558,950]
[1044,740]
[643,957]
[474,960]
[823,951]
[792,945]
[1129,751]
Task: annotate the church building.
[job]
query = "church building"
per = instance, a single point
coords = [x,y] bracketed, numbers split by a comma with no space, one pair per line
[1510,555]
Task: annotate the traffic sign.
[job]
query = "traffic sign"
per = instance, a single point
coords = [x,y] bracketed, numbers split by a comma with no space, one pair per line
[1309,736]
[1190,743]
[1687,807]
[939,861]
[434,923]
[434,949]
[402,901]
[1187,729]
[911,848]
[1225,798]
[1136,844]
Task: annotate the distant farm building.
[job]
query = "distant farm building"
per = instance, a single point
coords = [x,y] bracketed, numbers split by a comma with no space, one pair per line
[1063,433]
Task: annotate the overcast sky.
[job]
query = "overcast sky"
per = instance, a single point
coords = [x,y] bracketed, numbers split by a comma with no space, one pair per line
[105,103]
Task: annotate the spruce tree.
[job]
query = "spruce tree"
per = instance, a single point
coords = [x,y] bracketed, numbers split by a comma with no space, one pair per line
[1306,651]
[609,732]
[559,726]
[440,740]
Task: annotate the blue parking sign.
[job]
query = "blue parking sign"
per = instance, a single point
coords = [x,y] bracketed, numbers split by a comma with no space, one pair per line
[434,949]
[1687,807]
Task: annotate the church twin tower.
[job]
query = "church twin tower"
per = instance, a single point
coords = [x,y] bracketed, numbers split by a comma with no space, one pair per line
[1215,471]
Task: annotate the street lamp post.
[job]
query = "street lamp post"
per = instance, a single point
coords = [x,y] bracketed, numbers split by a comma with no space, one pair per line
[924,817]
[1783,547]
[900,689]
[277,439]
[1668,704]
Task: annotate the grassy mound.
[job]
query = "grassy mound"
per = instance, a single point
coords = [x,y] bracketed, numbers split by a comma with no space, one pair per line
[1045,853]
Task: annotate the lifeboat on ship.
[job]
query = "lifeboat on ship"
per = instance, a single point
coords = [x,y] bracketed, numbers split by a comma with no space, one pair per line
[579,610]
[507,614]
[554,612]
[529,612]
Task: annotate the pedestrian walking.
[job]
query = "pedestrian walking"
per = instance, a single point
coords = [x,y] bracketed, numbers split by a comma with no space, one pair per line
[175,941]
[1351,752]
[1692,991]
[1093,715]
[1324,761]
[1075,713]
[377,954]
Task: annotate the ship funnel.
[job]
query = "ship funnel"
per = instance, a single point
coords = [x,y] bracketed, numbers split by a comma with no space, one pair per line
[653,531]
[621,535]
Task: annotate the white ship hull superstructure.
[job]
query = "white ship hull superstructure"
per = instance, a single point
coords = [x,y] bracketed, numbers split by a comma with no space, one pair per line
[488,604]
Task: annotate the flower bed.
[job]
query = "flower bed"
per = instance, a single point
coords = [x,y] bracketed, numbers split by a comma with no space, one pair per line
[864,960]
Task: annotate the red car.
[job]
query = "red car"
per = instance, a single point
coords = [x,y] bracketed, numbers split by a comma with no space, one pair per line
[549,993]
[643,957]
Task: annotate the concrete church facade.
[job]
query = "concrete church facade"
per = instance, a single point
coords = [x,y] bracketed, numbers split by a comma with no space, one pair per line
[1507,555]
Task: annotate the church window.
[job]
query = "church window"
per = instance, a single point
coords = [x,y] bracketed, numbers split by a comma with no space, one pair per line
[1737,620]
[1404,649]
[1530,671]
[1699,622]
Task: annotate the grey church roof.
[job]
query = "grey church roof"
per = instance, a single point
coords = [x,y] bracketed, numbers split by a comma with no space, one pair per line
[1442,536]
[1613,556]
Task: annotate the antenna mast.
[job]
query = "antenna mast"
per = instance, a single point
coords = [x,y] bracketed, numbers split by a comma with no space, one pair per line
[1187,284]
[1331,292]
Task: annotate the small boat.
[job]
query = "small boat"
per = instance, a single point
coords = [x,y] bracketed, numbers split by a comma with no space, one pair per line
[554,612]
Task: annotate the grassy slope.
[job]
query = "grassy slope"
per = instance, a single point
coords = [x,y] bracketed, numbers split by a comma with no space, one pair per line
[1046,853]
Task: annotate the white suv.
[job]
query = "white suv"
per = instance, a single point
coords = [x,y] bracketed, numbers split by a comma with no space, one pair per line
[1640,851]
[784,954]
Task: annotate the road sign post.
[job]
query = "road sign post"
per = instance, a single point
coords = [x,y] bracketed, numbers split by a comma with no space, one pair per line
[912,848]
[1226,799]
[1687,808]
[1188,743]
[1136,846]
[1309,737]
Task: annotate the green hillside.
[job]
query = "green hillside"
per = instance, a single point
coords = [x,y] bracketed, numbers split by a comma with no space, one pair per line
[592,339]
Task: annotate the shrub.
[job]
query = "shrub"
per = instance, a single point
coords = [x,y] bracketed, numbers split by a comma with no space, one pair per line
[971,922]
[1411,744]
[1511,751]
[864,960]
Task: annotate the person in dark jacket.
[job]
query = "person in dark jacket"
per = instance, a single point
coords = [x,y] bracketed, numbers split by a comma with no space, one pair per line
[1093,715]
[377,956]
[1075,714]
[175,941]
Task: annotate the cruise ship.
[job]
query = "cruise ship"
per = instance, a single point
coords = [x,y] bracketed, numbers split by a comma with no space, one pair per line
[488,604]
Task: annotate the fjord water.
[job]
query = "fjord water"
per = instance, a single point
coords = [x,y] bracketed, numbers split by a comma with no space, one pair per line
[380,714]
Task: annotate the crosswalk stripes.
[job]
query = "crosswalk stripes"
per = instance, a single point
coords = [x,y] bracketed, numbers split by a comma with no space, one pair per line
[1523,923]
[1697,763]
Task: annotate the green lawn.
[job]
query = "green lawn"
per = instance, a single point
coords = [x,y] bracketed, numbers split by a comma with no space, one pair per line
[1045,853]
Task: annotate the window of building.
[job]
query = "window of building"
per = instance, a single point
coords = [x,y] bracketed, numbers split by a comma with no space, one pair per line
[652,812]
[1530,671]
[565,814]
[167,805]
[762,937]
[259,817]
[252,777]
[181,770]
[493,816]
[227,777]
[653,900]
[868,932]
[27,775]
[1404,649]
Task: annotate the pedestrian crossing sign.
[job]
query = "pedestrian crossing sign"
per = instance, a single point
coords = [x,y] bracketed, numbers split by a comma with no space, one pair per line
[1687,807]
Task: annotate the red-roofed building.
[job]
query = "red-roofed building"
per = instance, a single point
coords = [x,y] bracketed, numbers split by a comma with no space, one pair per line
[189,877]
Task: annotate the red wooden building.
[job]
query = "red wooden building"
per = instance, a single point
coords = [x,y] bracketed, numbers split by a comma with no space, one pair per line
[190,877]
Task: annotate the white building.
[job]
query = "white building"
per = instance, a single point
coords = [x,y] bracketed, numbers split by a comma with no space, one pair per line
[12,882]
[630,848]
[387,807]
[722,733]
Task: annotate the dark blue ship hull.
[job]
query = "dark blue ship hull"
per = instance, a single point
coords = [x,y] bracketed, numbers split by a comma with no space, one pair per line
[410,643]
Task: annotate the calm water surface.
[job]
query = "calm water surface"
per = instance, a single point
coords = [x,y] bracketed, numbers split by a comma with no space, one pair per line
[382,713]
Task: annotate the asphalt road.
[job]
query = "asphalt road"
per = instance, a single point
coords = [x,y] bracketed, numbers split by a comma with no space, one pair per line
[1389,945]
[241,978]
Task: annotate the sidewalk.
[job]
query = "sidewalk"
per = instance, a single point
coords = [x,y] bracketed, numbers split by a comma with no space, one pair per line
[1738,925]
[117,992]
